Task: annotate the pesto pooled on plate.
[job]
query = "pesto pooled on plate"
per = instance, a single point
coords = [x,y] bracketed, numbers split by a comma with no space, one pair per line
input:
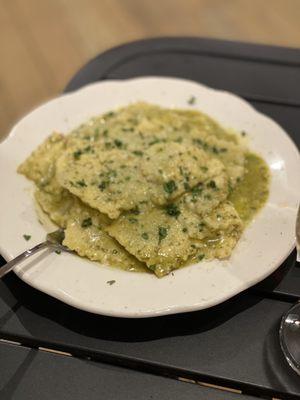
[146,188]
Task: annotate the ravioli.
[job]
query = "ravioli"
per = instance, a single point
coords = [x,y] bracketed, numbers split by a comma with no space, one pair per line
[83,225]
[149,188]
[153,237]
[85,235]
[40,165]
[166,238]
[114,181]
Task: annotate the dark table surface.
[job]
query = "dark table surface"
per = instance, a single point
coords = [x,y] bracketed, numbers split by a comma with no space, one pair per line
[234,345]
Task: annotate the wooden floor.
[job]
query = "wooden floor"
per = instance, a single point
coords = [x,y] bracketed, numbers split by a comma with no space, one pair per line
[44,42]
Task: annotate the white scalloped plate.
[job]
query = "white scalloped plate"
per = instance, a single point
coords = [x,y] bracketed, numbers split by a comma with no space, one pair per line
[82,283]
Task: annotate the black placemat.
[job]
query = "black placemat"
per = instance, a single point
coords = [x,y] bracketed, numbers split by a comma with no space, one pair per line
[35,374]
[234,344]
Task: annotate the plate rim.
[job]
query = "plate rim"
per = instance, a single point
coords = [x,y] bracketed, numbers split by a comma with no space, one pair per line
[175,309]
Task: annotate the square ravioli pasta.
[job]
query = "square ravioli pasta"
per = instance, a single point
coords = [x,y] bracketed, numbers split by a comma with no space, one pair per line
[83,226]
[117,180]
[154,238]
[166,238]
[149,188]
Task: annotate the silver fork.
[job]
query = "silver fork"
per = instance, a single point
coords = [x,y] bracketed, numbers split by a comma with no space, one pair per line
[53,242]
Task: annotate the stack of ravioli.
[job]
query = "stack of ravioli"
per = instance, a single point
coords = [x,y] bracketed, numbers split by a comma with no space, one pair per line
[143,188]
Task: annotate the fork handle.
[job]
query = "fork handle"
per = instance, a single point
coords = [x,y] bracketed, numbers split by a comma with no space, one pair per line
[21,257]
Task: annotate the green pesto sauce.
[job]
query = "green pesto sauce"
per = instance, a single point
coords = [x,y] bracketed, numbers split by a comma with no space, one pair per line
[247,197]
[251,193]
[131,268]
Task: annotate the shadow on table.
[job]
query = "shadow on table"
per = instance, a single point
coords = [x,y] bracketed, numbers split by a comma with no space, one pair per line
[7,390]
[26,301]
[30,305]
[49,320]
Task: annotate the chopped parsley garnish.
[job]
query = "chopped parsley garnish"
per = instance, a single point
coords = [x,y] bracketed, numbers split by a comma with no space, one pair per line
[162,233]
[192,100]
[115,251]
[127,129]
[152,267]
[58,251]
[135,211]
[215,150]
[172,210]
[103,185]
[200,257]
[81,183]
[186,186]
[138,153]
[201,225]
[87,149]
[77,154]
[207,197]
[105,133]
[197,190]
[111,174]
[145,235]
[204,169]
[118,143]
[127,178]
[154,141]
[111,282]
[212,185]
[132,220]
[86,222]
[27,237]
[170,187]
[109,114]
[184,230]
[108,178]
[198,141]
